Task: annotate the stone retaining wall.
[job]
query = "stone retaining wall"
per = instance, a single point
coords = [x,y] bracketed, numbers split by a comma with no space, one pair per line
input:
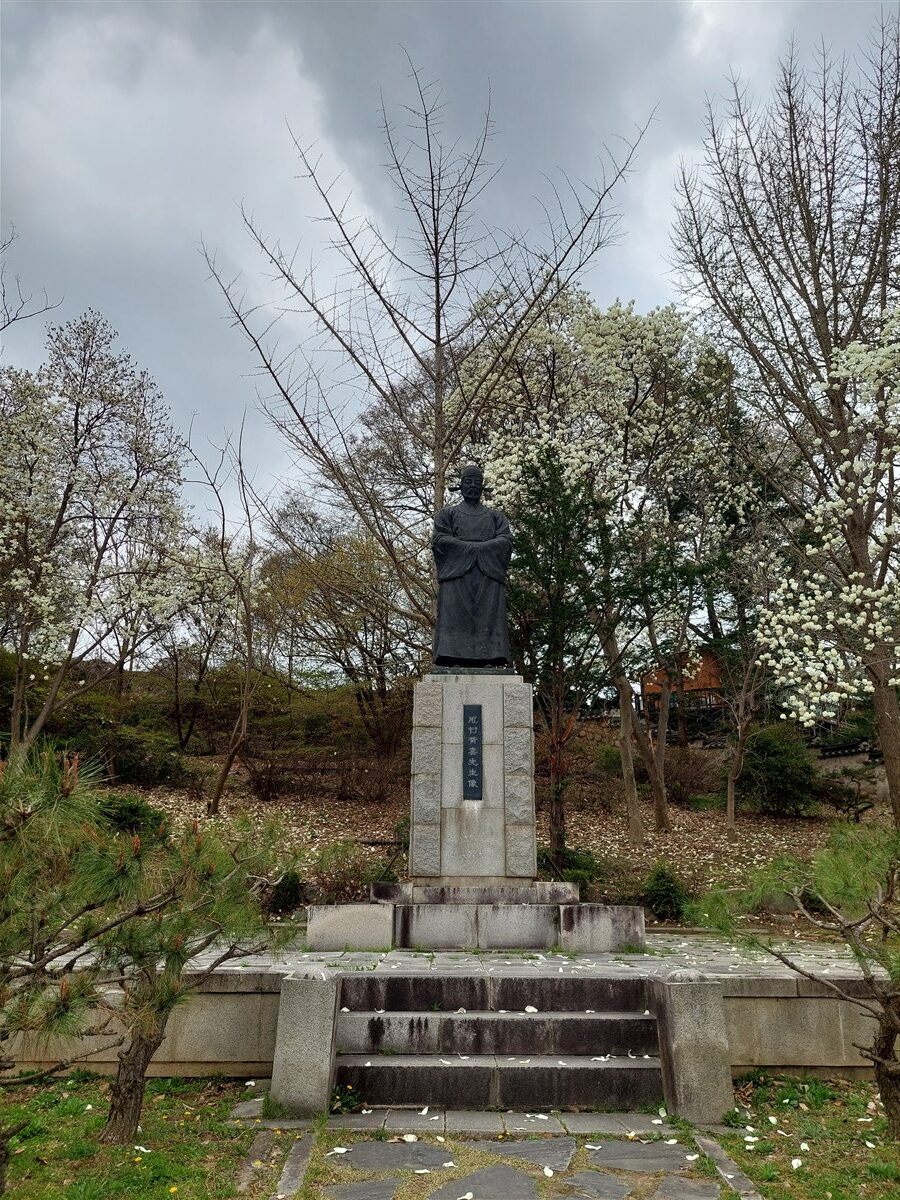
[228,1028]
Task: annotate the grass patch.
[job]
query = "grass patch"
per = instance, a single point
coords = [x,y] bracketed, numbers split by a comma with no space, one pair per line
[823,1123]
[193,1153]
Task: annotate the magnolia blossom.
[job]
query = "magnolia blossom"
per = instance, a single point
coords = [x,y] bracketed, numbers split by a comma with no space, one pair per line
[833,624]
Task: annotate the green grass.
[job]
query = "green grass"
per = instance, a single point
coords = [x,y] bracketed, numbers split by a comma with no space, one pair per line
[834,1119]
[193,1153]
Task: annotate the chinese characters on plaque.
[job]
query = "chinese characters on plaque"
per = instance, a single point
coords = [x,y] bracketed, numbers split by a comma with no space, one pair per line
[471,751]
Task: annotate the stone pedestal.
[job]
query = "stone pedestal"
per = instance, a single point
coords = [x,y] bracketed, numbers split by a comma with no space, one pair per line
[456,840]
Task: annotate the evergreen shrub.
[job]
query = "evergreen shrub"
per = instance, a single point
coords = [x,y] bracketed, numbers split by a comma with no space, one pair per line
[779,773]
[665,893]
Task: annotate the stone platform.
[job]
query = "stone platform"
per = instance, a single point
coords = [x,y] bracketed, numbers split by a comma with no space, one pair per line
[471,922]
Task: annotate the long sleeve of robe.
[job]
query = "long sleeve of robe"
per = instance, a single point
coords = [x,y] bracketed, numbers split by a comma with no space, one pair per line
[472,545]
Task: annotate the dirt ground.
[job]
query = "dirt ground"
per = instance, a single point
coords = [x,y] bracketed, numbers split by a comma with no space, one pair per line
[698,846]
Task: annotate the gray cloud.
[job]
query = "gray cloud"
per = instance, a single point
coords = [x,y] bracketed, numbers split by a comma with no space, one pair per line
[131,130]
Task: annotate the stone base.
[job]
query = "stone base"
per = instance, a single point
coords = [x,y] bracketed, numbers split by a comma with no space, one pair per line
[474,891]
[448,925]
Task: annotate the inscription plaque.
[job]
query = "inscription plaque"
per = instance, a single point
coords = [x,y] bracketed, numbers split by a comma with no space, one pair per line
[472,755]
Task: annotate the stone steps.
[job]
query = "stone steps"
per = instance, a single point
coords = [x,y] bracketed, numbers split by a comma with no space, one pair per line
[507,988]
[421,1033]
[494,1081]
[509,1038]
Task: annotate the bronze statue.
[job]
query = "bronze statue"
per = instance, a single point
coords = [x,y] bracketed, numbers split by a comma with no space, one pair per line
[472,545]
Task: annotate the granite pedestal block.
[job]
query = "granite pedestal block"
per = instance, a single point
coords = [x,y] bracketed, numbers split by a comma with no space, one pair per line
[472,824]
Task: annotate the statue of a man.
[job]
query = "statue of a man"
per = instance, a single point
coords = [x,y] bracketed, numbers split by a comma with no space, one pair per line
[471,546]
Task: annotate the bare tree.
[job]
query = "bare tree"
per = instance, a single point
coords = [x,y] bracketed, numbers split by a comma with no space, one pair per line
[789,234]
[15,303]
[239,563]
[405,320]
[332,591]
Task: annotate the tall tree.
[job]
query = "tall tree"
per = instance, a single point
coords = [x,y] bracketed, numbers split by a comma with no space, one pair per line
[406,326]
[89,518]
[788,234]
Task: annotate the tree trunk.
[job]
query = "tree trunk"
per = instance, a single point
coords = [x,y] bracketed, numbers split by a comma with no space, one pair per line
[887,1072]
[657,782]
[662,725]
[557,803]
[127,1092]
[632,801]
[212,804]
[734,770]
[681,712]
[887,720]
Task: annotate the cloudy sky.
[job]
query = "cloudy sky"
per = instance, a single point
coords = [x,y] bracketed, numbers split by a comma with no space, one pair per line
[132,130]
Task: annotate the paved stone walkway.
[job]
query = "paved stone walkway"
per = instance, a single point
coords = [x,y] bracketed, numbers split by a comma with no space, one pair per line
[664,1167]
[578,1156]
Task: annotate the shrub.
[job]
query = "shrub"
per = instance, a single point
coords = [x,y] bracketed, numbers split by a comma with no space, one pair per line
[288,892]
[779,773]
[573,866]
[342,872]
[608,759]
[665,893]
[267,775]
[690,772]
[706,802]
[127,812]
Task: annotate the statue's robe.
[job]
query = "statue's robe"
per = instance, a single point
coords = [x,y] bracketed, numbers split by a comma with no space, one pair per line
[471,546]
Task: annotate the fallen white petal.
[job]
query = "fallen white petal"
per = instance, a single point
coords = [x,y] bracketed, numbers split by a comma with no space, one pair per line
[804,1145]
[548,1171]
[530,1008]
[796,1162]
[410,1137]
[692,1157]
[424,1112]
[337,1150]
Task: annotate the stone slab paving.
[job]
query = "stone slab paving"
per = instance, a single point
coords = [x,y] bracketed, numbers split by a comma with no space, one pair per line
[294,1168]
[646,1157]
[490,1183]
[262,1149]
[555,1153]
[392,1156]
[729,1170]
[486,1124]
[714,955]
[411,1120]
[673,1188]
[375,1189]
[531,1123]
[597,1185]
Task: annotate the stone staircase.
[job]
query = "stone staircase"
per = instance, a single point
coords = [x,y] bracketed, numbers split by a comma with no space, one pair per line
[470,1042]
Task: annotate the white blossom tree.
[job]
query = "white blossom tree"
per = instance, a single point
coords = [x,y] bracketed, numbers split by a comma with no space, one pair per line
[832,630]
[621,401]
[788,237]
[90,519]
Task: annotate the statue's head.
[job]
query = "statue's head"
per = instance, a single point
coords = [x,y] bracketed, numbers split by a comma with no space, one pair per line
[471,482]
